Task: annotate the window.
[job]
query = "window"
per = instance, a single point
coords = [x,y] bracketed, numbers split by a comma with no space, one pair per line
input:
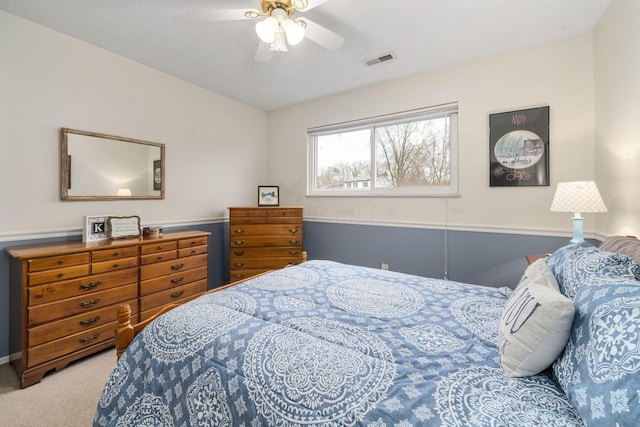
[412,153]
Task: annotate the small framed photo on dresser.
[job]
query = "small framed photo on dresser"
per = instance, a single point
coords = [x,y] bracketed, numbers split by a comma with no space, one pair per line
[268,195]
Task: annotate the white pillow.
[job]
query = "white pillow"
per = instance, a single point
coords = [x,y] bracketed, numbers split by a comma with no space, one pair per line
[535,323]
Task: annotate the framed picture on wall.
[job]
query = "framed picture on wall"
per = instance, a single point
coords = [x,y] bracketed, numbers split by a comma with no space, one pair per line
[268,195]
[519,148]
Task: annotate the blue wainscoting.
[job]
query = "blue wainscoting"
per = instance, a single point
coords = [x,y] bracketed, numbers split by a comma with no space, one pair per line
[492,259]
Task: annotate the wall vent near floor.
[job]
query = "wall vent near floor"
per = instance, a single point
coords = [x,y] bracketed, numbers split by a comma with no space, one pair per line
[382,58]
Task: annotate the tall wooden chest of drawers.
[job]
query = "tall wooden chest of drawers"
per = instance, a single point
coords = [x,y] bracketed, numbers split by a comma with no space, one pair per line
[262,239]
[65,295]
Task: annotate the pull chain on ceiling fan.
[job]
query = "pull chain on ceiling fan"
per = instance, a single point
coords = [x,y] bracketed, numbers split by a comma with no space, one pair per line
[278,28]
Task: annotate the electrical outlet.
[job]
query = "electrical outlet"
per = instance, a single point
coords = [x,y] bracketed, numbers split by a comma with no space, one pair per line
[384,265]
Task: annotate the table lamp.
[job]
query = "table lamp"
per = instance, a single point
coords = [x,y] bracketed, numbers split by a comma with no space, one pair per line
[577,197]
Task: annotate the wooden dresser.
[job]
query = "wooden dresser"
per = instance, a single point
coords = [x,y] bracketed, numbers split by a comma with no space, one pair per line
[263,238]
[65,295]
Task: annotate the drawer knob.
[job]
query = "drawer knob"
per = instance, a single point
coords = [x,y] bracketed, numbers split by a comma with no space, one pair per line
[239,231]
[60,261]
[238,253]
[293,252]
[177,294]
[90,285]
[177,280]
[293,230]
[238,276]
[177,266]
[238,264]
[90,303]
[89,322]
[87,340]
[239,242]
[293,241]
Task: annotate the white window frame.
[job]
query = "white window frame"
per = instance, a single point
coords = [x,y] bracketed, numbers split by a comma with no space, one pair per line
[450,110]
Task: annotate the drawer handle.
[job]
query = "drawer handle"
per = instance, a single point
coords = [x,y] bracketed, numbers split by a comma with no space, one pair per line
[89,322]
[238,276]
[60,275]
[87,340]
[60,261]
[238,264]
[158,258]
[90,285]
[293,241]
[239,253]
[177,280]
[293,230]
[239,231]
[293,252]
[239,242]
[159,247]
[116,265]
[90,303]
[177,266]
[116,253]
[193,251]
[177,294]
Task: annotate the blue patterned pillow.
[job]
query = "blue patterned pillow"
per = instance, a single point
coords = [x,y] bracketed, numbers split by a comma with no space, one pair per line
[600,367]
[579,264]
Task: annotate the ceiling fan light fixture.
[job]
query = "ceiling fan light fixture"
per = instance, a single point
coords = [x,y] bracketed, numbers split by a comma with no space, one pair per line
[279,42]
[294,31]
[267,29]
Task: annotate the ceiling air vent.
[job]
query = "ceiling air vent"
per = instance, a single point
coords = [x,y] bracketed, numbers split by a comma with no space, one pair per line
[382,58]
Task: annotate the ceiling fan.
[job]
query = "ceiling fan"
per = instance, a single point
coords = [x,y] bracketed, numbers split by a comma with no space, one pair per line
[279,28]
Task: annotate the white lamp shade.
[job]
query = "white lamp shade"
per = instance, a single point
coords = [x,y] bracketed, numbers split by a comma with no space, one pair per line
[124,192]
[294,31]
[577,196]
[266,29]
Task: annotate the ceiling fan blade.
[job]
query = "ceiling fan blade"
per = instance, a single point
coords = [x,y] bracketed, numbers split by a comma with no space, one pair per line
[217,15]
[310,4]
[264,52]
[321,35]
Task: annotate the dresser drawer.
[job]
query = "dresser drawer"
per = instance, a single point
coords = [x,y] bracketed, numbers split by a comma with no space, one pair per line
[158,247]
[59,290]
[72,325]
[72,306]
[158,256]
[174,266]
[264,241]
[270,252]
[172,295]
[239,274]
[57,262]
[110,254]
[189,243]
[265,230]
[58,274]
[276,216]
[193,250]
[173,280]
[116,264]
[264,263]
[60,347]
[247,216]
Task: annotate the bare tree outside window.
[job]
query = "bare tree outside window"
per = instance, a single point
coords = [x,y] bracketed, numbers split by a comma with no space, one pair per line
[402,154]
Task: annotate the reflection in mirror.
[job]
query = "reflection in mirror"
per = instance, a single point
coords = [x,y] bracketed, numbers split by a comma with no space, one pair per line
[95,166]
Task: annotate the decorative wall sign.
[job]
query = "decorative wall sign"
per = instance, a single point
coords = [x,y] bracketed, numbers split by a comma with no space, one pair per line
[122,227]
[268,195]
[95,228]
[519,148]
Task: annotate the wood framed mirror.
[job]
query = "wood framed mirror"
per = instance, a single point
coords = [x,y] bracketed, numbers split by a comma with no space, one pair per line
[96,166]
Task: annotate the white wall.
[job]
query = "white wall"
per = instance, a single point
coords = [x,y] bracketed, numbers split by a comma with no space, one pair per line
[559,75]
[215,147]
[617,99]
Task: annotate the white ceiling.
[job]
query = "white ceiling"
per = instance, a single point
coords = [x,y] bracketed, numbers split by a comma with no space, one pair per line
[423,34]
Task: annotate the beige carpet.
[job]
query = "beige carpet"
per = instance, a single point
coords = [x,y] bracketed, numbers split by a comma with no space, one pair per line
[67,398]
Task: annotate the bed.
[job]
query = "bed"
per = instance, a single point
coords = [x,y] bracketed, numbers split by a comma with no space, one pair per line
[330,344]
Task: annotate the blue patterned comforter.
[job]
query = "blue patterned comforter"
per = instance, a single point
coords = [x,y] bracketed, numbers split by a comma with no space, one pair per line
[329,344]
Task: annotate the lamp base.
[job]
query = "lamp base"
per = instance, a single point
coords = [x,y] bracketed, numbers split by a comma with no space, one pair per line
[578,223]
